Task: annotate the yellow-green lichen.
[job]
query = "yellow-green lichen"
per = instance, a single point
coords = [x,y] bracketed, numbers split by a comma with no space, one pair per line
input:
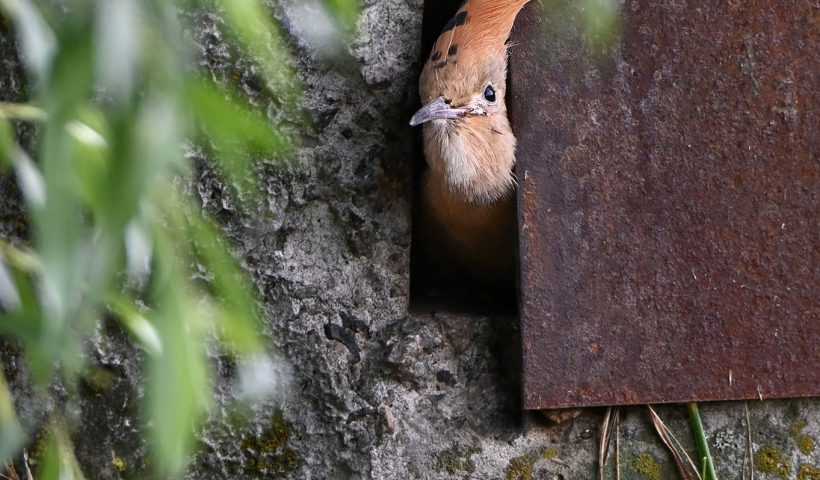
[267,453]
[805,443]
[808,472]
[549,453]
[647,466]
[456,459]
[769,459]
[520,468]
[797,427]
[118,463]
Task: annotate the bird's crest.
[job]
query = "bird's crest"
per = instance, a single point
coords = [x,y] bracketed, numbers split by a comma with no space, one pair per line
[474,39]
[478,26]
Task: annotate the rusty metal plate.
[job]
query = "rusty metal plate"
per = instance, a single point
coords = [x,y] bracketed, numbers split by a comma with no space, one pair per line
[668,204]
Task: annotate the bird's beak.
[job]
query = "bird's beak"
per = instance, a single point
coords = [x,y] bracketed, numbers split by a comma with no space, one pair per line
[438,109]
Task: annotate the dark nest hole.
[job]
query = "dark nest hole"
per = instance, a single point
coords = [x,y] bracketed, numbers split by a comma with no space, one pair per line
[435,286]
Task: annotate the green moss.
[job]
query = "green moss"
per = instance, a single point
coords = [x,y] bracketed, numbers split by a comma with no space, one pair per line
[456,459]
[520,468]
[549,453]
[805,443]
[40,444]
[287,461]
[267,452]
[98,380]
[808,472]
[647,466]
[118,463]
[769,459]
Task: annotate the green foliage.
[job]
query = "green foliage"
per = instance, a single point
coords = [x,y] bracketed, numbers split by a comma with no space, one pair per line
[115,98]
[708,465]
[347,11]
[59,461]
[11,433]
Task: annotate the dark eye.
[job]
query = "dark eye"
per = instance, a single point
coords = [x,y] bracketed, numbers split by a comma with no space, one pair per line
[489,93]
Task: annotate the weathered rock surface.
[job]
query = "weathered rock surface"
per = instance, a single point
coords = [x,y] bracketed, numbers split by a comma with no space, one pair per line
[375,392]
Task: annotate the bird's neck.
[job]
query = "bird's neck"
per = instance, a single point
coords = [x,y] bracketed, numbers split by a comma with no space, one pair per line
[474,166]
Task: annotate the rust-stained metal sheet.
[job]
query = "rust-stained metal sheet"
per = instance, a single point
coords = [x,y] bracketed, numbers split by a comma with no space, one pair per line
[668,204]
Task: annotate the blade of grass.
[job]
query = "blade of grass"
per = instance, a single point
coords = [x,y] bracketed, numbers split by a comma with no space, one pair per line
[618,445]
[749,446]
[686,467]
[700,441]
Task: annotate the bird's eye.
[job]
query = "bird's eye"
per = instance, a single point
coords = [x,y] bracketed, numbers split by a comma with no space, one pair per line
[489,93]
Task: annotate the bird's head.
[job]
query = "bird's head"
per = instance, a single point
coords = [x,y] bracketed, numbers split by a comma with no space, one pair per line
[467,136]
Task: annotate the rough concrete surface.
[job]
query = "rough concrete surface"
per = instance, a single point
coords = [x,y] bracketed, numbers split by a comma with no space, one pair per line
[375,392]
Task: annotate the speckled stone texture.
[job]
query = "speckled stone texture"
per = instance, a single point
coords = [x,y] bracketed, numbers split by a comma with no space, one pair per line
[375,392]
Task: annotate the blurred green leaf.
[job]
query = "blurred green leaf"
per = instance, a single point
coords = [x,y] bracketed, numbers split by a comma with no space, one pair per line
[346,11]
[22,111]
[58,461]
[23,260]
[235,140]
[7,145]
[21,319]
[235,313]
[11,433]
[30,179]
[120,101]
[37,39]
[178,378]
[137,325]
[9,297]
[117,43]
[139,252]
[90,176]
[256,31]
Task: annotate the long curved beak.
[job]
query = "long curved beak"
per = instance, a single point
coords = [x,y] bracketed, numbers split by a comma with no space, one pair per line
[438,109]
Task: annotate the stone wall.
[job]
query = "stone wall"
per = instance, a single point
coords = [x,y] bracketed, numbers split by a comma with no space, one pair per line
[374,391]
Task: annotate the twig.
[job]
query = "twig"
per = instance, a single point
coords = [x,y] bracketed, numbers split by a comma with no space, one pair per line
[700,441]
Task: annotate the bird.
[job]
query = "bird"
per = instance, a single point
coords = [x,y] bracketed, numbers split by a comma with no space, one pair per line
[467,208]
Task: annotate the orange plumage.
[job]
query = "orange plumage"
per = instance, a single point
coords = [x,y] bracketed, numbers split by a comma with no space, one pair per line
[467,206]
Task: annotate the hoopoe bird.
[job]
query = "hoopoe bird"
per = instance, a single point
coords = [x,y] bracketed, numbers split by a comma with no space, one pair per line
[467,206]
